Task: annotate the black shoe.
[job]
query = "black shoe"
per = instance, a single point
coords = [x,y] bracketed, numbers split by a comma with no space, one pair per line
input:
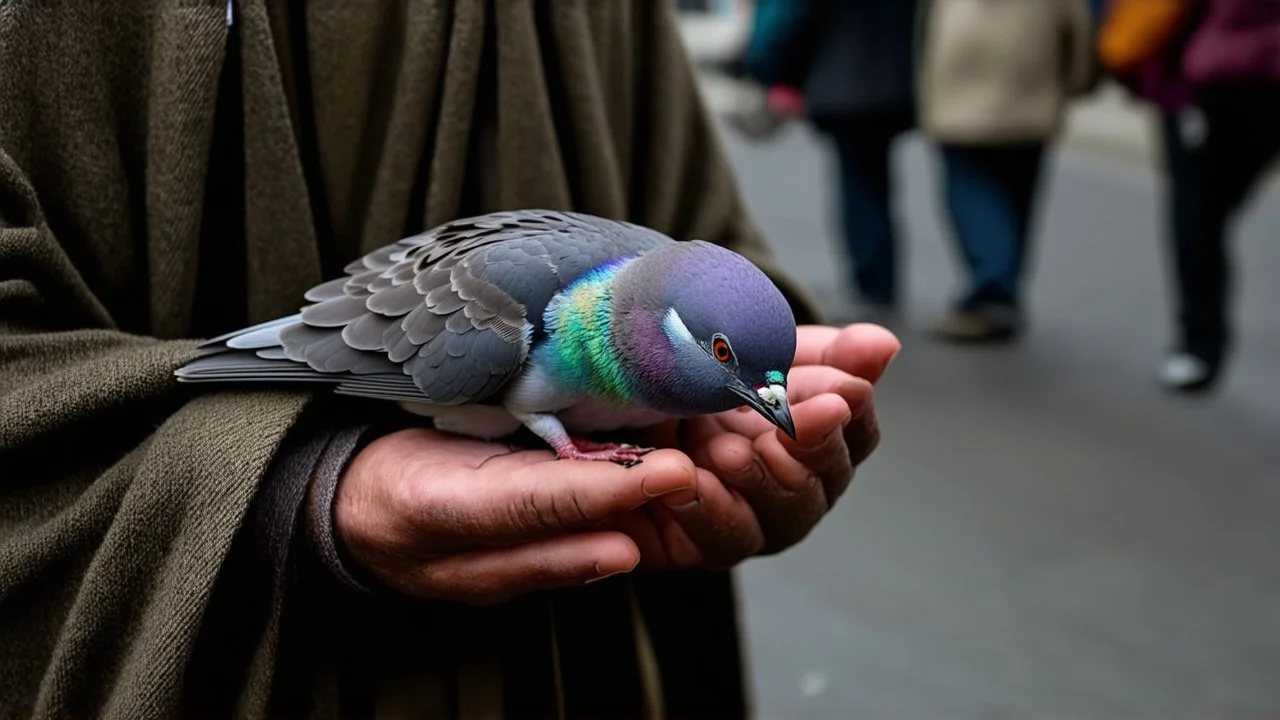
[980,324]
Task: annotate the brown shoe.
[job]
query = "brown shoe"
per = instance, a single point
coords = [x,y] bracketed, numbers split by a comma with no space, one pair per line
[981,324]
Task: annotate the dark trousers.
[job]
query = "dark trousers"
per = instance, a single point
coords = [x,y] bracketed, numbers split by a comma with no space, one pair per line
[990,193]
[865,199]
[1210,173]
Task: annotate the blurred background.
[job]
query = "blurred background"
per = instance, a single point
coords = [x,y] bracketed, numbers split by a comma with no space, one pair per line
[1060,520]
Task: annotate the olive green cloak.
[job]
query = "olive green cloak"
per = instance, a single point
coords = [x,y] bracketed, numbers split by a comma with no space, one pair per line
[166,175]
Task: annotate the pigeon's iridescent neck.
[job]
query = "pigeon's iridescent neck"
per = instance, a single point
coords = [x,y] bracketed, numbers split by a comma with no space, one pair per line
[580,349]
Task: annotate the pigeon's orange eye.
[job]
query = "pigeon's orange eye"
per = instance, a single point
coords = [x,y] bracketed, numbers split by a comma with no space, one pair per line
[720,348]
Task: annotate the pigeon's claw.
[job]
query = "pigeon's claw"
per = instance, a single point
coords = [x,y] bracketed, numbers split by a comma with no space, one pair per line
[582,449]
[549,428]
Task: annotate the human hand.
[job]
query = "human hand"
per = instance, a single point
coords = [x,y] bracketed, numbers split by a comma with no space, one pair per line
[493,522]
[758,491]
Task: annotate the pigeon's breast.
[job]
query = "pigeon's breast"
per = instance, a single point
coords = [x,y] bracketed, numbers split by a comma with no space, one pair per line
[537,390]
[591,416]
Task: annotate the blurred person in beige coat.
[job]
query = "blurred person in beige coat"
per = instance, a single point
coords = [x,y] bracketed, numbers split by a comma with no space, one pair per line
[995,79]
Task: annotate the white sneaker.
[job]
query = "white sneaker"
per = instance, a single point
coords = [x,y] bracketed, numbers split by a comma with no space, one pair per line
[1183,371]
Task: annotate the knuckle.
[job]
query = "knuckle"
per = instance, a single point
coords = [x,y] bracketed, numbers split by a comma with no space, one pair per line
[834,490]
[790,527]
[525,515]
[834,465]
[542,510]
[837,477]
[863,437]
[755,476]
[579,513]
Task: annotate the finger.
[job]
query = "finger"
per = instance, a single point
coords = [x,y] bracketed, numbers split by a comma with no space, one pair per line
[862,434]
[785,516]
[664,545]
[811,341]
[803,384]
[831,442]
[788,497]
[721,524]
[861,429]
[542,498]
[861,349]
[486,577]
[814,418]
[809,382]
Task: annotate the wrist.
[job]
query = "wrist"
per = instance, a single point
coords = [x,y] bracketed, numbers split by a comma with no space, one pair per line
[323,533]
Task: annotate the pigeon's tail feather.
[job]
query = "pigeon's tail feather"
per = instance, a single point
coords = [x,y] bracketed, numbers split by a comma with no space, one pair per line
[409,394]
[263,365]
[254,337]
[223,364]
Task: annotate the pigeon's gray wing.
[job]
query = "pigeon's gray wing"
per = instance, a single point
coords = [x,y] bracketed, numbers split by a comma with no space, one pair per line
[445,317]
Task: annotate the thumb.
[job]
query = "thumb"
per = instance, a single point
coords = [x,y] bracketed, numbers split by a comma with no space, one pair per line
[548,497]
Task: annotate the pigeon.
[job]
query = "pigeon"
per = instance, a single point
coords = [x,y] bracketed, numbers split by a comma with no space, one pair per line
[563,323]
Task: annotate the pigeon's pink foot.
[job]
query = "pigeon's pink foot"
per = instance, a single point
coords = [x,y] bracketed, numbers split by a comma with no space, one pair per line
[581,449]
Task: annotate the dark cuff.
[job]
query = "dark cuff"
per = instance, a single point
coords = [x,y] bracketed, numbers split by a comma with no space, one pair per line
[294,508]
[331,462]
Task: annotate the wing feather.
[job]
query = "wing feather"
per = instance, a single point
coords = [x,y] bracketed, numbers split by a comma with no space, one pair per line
[443,317]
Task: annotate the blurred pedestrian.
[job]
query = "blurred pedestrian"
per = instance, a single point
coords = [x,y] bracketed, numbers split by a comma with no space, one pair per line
[996,77]
[848,69]
[765,101]
[1212,70]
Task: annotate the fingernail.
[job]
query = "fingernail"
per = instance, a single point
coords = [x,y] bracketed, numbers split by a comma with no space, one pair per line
[603,575]
[683,502]
[666,484]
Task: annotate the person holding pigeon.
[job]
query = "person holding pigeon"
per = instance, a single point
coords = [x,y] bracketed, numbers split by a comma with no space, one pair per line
[279,549]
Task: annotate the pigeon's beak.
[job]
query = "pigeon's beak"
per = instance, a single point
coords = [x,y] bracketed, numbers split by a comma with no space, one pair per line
[770,401]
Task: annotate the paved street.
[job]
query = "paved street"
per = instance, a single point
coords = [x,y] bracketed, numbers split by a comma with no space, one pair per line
[1043,532]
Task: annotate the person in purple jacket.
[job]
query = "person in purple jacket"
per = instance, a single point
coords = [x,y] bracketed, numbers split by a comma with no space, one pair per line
[1217,89]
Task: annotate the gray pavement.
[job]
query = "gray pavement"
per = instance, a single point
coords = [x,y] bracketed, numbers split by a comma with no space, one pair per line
[1043,532]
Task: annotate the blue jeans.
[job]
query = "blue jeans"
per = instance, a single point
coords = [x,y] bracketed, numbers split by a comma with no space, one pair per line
[990,193]
[865,189]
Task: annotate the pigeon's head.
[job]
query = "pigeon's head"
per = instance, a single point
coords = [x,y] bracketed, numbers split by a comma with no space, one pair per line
[708,331]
